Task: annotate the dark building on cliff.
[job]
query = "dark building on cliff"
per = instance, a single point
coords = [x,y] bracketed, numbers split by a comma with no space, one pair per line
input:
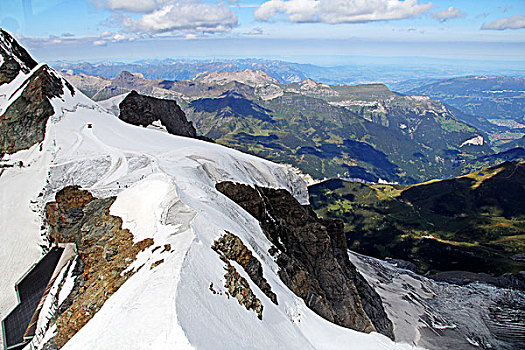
[18,328]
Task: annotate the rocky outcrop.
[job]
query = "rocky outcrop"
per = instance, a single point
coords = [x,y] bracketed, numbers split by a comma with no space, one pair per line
[312,255]
[15,58]
[23,124]
[104,249]
[238,288]
[66,212]
[231,247]
[144,110]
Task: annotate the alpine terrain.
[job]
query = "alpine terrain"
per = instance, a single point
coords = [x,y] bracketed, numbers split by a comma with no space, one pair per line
[117,235]
[363,131]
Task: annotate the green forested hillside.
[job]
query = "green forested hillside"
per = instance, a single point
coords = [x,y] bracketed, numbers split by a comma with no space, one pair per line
[364,132]
[473,223]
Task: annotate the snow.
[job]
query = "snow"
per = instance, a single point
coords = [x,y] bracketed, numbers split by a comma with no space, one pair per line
[476,141]
[19,218]
[157,125]
[165,188]
[112,103]
[439,315]
[141,206]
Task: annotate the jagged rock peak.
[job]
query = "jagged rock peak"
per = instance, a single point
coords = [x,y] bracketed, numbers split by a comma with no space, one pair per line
[14,58]
[147,111]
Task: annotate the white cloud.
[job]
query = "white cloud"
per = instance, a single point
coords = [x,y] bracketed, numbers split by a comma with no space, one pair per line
[135,6]
[512,22]
[339,11]
[255,31]
[449,13]
[163,16]
[99,43]
[33,42]
[119,37]
[183,17]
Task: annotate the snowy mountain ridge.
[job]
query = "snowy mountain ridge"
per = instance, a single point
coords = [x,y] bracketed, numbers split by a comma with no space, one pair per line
[163,190]
[165,249]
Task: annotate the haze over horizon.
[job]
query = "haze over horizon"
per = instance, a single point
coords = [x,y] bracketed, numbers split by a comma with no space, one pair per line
[321,32]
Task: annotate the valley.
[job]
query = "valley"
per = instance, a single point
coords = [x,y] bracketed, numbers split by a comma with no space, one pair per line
[494,104]
[364,131]
[472,223]
[393,145]
[255,203]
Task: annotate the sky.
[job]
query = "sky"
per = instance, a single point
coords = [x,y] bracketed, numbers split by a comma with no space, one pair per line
[318,31]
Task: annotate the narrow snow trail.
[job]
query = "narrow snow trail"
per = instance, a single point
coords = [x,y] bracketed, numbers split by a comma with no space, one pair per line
[69,154]
[119,163]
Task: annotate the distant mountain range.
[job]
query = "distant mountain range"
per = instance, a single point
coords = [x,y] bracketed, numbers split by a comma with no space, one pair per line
[492,104]
[363,131]
[495,104]
[400,74]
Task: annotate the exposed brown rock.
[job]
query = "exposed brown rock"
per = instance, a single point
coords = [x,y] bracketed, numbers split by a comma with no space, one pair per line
[239,289]
[312,255]
[67,211]
[156,263]
[104,248]
[230,247]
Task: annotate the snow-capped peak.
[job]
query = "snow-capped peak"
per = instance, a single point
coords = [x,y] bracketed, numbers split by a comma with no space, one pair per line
[14,54]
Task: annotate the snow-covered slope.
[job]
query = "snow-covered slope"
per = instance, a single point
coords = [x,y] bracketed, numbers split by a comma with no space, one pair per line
[165,190]
[439,315]
[111,104]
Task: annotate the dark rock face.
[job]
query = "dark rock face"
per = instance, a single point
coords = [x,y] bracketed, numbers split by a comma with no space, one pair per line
[15,58]
[24,122]
[312,255]
[104,249]
[144,110]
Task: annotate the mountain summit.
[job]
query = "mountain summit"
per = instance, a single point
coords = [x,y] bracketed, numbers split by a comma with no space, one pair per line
[249,77]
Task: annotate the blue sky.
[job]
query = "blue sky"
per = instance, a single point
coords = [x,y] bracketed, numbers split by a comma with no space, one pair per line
[326,29]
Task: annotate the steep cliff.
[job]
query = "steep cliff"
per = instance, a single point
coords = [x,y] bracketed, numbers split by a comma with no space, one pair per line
[105,251]
[23,123]
[312,255]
